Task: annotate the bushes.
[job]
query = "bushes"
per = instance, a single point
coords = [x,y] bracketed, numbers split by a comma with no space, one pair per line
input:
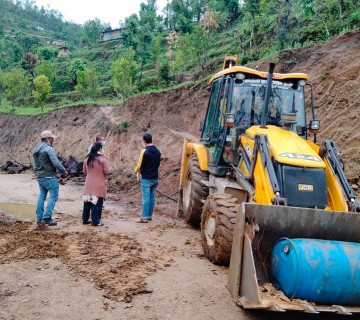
[124,124]
[42,90]
[62,84]
[88,83]
[107,92]
[164,71]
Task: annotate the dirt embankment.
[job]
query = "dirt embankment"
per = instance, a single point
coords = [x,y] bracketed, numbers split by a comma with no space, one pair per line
[170,116]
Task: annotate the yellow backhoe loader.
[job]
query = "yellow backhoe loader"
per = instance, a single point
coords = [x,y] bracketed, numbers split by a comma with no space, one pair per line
[271,203]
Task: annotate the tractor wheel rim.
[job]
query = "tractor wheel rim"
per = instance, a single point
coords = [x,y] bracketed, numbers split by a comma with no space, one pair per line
[187,190]
[210,229]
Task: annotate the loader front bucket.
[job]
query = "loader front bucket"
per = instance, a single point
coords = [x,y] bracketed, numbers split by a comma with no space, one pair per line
[258,229]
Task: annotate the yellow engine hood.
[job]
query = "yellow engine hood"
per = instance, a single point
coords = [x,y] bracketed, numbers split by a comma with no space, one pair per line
[287,147]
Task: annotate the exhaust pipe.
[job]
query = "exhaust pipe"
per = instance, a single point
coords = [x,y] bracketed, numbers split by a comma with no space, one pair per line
[265,109]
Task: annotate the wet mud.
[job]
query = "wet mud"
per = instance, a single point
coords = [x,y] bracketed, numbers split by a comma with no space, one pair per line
[115,263]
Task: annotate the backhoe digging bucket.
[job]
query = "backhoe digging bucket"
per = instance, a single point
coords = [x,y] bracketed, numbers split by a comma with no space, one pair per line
[253,258]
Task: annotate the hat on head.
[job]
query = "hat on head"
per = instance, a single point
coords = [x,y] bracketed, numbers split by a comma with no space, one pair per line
[47,134]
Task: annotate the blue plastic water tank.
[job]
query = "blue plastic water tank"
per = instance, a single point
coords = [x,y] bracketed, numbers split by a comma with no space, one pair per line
[325,272]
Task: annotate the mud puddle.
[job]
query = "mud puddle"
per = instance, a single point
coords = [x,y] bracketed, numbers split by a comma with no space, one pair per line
[19,210]
[115,263]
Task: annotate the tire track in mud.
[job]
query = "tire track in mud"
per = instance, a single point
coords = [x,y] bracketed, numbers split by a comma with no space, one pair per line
[115,263]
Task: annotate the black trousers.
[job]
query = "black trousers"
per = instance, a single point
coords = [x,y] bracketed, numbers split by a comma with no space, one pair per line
[96,210]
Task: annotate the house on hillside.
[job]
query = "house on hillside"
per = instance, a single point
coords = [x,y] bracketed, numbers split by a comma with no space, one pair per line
[110,35]
[59,43]
[63,51]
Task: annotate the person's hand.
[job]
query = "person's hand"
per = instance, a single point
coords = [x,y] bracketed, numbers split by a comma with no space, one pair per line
[66,173]
[138,176]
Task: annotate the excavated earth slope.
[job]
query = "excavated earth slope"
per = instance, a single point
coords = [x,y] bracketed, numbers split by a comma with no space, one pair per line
[334,70]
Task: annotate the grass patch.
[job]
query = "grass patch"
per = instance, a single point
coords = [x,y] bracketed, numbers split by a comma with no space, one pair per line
[32,110]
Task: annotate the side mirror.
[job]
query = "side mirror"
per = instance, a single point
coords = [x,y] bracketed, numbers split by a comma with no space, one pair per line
[201,125]
[208,88]
[314,126]
[300,130]
[229,120]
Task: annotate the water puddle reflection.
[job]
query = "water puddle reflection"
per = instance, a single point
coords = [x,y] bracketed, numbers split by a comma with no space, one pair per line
[19,210]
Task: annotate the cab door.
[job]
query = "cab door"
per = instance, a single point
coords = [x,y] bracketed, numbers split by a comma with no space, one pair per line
[214,129]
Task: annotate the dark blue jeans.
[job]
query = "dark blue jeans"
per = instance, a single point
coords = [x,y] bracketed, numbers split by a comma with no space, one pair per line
[46,185]
[96,210]
[148,190]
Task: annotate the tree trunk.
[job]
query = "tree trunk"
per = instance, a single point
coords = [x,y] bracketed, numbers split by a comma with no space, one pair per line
[341,2]
[325,26]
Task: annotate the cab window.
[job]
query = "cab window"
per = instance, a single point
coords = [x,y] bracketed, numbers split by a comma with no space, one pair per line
[209,121]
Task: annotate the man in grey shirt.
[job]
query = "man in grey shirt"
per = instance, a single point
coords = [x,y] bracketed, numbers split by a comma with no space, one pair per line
[45,165]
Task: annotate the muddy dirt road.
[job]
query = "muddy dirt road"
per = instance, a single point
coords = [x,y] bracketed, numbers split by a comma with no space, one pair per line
[122,270]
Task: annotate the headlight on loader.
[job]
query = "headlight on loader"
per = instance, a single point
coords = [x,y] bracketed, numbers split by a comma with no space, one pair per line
[230,120]
[314,126]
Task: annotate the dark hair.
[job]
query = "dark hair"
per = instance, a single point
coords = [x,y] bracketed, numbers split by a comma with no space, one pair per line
[93,155]
[147,138]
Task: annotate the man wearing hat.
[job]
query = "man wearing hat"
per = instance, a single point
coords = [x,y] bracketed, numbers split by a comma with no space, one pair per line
[45,165]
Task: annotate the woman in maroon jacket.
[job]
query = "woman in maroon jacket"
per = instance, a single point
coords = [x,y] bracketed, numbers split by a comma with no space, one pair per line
[96,167]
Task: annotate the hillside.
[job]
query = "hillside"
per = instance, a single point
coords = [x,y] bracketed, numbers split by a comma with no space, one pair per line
[172,115]
[157,50]
[28,26]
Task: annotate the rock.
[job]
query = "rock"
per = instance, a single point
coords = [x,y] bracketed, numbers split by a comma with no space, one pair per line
[113,270]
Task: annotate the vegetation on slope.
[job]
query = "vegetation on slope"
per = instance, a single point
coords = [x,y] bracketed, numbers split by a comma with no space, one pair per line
[186,41]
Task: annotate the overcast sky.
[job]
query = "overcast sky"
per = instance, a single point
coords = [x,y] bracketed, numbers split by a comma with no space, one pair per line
[111,11]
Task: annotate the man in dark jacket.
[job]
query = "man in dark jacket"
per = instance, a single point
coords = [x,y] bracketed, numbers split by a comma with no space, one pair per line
[147,166]
[45,165]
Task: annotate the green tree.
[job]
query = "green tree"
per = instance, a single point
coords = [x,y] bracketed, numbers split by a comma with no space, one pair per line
[201,38]
[46,53]
[227,10]
[28,43]
[88,83]
[76,66]
[92,29]
[148,14]
[179,16]
[252,12]
[16,85]
[47,69]
[42,90]
[124,74]
[164,72]
[131,29]
[184,55]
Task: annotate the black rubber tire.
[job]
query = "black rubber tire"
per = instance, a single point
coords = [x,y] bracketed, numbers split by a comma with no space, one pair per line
[194,192]
[217,227]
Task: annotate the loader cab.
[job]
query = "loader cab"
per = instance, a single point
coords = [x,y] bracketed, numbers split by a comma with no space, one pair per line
[240,92]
